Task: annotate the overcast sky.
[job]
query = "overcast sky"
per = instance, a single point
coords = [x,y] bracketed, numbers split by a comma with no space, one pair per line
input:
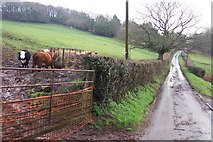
[110,7]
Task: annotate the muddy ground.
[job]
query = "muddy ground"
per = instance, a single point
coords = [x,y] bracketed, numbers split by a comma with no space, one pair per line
[16,77]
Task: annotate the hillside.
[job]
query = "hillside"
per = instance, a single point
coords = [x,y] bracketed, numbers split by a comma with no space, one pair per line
[38,36]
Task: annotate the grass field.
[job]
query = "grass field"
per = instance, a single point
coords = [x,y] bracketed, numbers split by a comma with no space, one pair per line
[201,61]
[39,36]
[197,83]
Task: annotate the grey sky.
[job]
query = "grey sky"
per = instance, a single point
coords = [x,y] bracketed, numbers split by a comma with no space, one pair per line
[110,7]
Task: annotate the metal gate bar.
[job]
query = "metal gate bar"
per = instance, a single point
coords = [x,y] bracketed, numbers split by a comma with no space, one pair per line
[42,117]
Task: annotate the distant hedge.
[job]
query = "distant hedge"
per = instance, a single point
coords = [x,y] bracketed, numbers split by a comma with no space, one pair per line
[115,77]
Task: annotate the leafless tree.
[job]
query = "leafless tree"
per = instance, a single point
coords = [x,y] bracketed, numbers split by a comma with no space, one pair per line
[170,19]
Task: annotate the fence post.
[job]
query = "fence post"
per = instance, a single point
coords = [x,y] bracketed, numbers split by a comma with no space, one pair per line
[54,51]
[63,64]
[51,52]
[51,95]
[126,29]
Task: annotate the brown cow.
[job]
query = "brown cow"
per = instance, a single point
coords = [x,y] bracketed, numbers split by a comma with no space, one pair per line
[42,59]
[208,77]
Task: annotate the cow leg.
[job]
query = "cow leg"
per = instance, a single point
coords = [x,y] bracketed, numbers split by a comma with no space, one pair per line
[26,65]
[22,65]
[33,65]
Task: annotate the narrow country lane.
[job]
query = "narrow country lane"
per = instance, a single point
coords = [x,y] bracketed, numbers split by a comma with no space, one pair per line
[178,115]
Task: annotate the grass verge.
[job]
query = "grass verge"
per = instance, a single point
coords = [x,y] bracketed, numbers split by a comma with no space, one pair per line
[202,61]
[131,110]
[197,83]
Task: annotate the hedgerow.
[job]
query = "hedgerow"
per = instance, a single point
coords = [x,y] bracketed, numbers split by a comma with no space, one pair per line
[114,77]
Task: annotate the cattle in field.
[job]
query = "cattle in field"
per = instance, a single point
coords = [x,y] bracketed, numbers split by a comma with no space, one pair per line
[42,59]
[24,57]
[45,50]
[89,53]
[208,77]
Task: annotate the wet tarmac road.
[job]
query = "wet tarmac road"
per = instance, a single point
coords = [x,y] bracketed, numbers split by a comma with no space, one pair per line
[179,115]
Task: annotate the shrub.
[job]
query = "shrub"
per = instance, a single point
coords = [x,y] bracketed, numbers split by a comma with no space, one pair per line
[33,93]
[199,72]
[115,77]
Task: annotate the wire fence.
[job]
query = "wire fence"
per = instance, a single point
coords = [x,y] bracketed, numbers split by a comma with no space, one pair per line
[47,117]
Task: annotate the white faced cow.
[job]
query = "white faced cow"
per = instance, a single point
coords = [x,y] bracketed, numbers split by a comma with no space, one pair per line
[24,57]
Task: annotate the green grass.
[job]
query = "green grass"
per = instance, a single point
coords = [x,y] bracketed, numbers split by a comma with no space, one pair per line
[202,61]
[197,83]
[130,111]
[32,93]
[39,36]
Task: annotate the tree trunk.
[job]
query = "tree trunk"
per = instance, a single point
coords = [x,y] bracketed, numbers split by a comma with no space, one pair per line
[160,56]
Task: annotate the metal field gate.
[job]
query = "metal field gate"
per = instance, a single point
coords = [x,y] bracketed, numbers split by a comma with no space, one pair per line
[48,117]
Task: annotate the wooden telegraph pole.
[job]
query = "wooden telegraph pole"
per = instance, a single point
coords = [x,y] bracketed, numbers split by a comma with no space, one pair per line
[127,22]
